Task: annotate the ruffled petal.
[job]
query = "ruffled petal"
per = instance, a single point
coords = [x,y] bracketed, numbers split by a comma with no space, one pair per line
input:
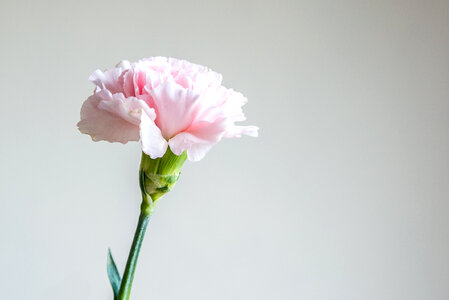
[232,106]
[229,103]
[153,143]
[198,139]
[176,108]
[238,131]
[109,80]
[101,124]
[128,109]
[196,148]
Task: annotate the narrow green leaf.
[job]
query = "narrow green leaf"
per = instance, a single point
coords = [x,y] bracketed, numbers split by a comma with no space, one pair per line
[113,274]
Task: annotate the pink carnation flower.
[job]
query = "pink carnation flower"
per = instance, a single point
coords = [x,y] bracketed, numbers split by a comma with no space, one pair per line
[163,102]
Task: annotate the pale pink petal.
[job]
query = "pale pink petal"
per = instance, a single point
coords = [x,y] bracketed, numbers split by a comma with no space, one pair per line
[175,106]
[103,125]
[109,79]
[128,109]
[232,106]
[196,148]
[128,83]
[198,82]
[198,139]
[153,143]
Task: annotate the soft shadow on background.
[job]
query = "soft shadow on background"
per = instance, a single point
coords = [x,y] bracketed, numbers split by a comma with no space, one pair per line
[345,194]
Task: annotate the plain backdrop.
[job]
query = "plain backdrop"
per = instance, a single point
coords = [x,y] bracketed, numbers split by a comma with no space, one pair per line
[345,194]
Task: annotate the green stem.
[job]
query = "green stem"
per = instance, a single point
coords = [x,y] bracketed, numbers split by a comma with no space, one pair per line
[127,280]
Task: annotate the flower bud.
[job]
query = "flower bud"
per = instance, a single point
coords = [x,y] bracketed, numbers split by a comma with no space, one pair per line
[158,176]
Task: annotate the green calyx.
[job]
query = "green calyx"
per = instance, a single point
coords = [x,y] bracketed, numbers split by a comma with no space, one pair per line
[158,176]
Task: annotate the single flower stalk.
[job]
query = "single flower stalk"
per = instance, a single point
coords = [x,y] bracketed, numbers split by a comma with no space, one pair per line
[178,110]
[156,178]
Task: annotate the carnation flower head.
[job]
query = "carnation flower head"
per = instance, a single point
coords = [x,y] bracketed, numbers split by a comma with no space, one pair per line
[164,102]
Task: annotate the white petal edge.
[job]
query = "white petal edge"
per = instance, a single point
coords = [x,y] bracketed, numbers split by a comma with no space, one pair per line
[238,131]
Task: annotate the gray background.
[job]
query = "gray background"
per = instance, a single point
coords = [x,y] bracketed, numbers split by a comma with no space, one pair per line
[343,196]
